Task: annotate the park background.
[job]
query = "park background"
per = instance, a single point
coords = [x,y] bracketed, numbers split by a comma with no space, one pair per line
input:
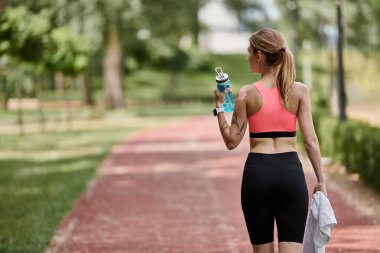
[79,76]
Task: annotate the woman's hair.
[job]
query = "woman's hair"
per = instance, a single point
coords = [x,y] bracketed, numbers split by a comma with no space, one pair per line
[271,43]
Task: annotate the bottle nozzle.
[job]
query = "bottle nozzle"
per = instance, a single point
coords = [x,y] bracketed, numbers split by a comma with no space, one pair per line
[219,72]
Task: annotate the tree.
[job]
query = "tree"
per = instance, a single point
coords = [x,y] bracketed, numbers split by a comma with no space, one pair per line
[82,18]
[32,32]
[31,39]
[103,29]
[23,36]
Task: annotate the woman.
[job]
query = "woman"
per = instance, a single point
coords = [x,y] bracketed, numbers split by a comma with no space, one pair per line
[273,184]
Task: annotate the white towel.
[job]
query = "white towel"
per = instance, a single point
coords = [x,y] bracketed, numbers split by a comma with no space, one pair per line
[320,220]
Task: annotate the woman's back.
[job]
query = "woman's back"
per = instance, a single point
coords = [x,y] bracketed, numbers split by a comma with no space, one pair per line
[269,119]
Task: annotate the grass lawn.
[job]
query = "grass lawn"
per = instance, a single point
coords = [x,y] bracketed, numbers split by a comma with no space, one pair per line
[42,174]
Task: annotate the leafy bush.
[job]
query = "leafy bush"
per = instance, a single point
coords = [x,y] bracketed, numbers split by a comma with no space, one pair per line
[355,144]
[318,115]
[326,129]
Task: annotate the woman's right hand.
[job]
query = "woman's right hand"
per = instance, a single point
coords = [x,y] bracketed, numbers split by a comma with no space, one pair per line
[219,97]
[320,187]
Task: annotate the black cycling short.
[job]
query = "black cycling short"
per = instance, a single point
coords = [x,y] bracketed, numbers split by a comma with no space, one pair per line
[274,188]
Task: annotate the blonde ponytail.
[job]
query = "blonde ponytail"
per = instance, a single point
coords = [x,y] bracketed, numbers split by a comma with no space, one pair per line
[287,75]
[273,45]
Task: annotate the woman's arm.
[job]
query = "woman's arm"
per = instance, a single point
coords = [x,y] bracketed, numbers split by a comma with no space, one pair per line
[232,135]
[310,138]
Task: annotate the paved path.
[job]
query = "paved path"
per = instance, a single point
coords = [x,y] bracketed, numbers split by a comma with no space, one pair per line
[175,188]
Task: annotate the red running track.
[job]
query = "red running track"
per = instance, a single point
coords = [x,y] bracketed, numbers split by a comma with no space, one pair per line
[176,188]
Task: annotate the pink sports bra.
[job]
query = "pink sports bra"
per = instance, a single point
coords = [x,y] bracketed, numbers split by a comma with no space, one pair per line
[272,120]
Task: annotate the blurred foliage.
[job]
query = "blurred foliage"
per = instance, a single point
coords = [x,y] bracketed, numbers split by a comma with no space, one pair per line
[169,57]
[37,40]
[24,34]
[68,53]
[363,25]
[172,20]
[251,14]
[31,35]
[353,143]
[315,19]
[70,35]
[199,60]
[82,25]
[307,19]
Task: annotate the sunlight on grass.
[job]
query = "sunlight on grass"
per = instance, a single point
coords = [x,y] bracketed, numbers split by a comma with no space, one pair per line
[62,168]
[42,174]
[28,191]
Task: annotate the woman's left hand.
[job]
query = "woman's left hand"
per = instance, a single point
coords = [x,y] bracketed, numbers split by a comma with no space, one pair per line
[320,187]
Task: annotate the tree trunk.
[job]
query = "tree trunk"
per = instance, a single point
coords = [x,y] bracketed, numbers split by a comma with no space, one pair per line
[5,102]
[341,88]
[3,5]
[66,98]
[59,81]
[173,81]
[294,17]
[20,115]
[87,95]
[61,96]
[196,26]
[112,71]
[39,92]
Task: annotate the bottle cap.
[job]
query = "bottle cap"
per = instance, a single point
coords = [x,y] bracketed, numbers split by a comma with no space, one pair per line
[220,76]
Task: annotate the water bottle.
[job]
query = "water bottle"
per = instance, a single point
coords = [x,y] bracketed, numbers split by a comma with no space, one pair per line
[222,83]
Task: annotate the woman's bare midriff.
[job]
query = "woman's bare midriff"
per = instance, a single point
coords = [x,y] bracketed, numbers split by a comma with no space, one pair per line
[273,145]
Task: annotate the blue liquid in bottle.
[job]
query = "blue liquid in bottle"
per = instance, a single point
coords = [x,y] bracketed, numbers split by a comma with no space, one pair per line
[222,83]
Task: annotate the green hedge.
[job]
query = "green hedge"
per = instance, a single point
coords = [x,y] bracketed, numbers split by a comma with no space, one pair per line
[355,144]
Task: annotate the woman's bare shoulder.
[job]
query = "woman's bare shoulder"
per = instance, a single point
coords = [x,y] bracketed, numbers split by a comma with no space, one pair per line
[300,88]
[248,87]
[245,90]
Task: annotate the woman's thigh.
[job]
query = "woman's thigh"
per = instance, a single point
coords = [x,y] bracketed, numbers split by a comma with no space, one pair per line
[263,248]
[289,247]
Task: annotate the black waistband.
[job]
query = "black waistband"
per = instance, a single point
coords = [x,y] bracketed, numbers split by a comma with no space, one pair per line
[274,134]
